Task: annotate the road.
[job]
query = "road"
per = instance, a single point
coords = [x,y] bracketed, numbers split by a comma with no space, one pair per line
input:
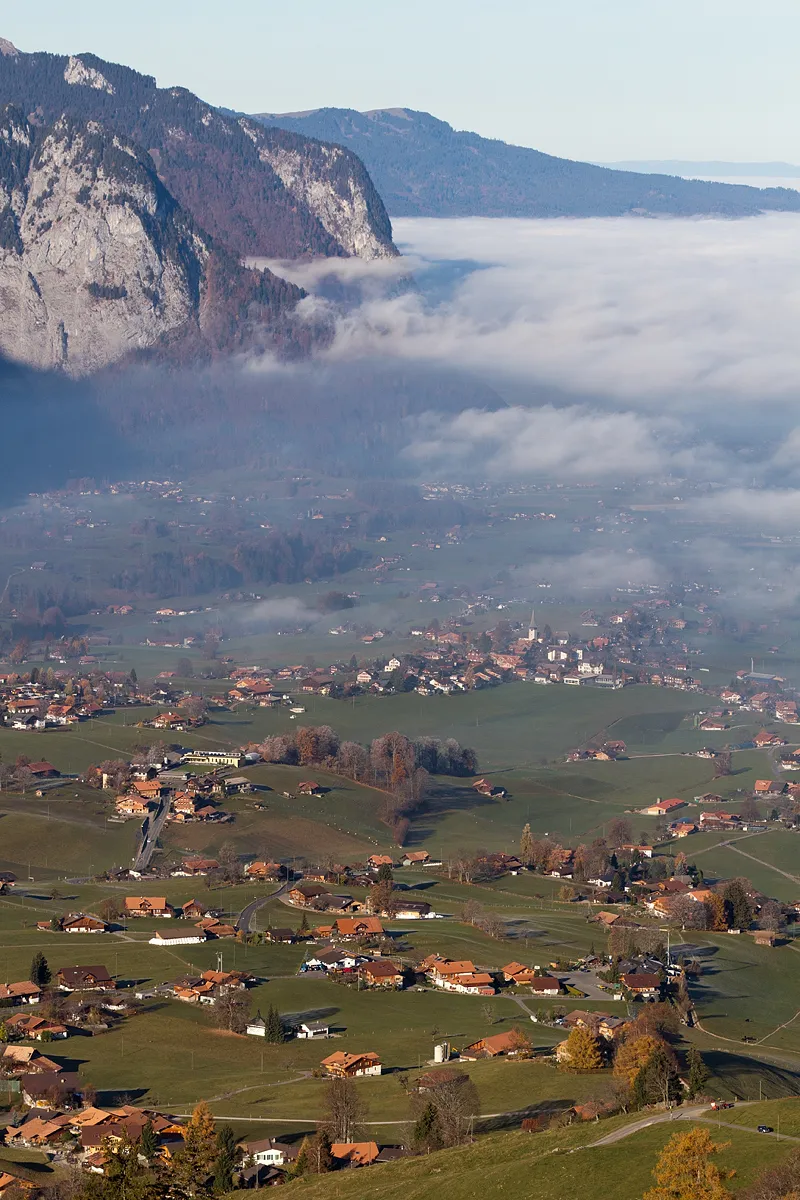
[247,913]
[702,1114]
[147,848]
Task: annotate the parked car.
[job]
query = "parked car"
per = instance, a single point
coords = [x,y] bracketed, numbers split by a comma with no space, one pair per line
[765,1129]
[718,1104]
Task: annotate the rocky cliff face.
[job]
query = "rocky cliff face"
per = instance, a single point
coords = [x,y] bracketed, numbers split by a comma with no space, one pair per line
[97,259]
[258,191]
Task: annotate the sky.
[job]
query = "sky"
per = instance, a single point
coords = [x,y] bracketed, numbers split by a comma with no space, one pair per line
[593,79]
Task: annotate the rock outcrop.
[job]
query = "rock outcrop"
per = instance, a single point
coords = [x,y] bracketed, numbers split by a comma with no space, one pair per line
[98,261]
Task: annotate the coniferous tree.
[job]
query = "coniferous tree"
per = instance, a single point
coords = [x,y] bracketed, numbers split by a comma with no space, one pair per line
[226,1159]
[40,971]
[148,1145]
[274,1031]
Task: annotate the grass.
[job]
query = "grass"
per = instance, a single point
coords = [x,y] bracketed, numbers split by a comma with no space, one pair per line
[547,1165]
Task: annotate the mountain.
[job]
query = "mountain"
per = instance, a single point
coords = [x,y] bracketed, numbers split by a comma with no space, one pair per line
[698,170]
[99,262]
[424,168]
[258,191]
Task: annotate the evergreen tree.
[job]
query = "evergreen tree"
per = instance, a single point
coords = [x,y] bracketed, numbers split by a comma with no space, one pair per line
[319,1157]
[385,873]
[304,923]
[274,1031]
[698,1073]
[39,972]
[427,1135]
[738,909]
[148,1145]
[226,1159]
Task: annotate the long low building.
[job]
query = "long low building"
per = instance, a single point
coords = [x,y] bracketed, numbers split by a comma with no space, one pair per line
[178,937]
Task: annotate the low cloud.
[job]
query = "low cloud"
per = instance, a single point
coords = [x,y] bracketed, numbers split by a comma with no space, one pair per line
[592,572]
[562,443]
[768,511]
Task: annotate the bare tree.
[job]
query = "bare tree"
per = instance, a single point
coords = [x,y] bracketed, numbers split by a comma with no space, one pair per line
[232,1011]
[344,1109]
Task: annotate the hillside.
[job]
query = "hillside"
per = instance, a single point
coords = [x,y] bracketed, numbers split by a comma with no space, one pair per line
[258,191]
[98,261]
[423,167]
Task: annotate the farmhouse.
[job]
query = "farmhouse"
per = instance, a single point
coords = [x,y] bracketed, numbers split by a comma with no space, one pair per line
[84,979]
[20,993]
[354,1154]
[341,1064]
[381,973]
[148,906]
[83,924]
[357,927]
[304,894]
[647,986]
[662,807]
[491,1047]
[545,985]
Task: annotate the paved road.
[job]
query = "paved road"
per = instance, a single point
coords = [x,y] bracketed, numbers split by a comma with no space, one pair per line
[247,913]
[147,848]
[689,1114]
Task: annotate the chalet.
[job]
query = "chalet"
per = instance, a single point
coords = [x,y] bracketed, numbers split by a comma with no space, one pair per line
[271,1152]
[545,985]
[84,979]
[416,858]
[286,937]
[148,906]
[332,959]
[765,738]
[358,927]
[133,806]
[37,1028]
[51,1089]
[43,770]
[458,976]
[263,871]
[380,860]
[20,993]
[644,985]
[492,1047]
[720,819]
[304,894]
[643,851]
[770,788]
[682,829]
[381,973]
[193,909]
[342,1064]
[412,910]
[662,807]
[309,788]
[354,1154]
[83,924]
[197,866]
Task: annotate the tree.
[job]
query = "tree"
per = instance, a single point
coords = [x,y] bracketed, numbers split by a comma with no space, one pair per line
[526,846]
[620,832]
[343,1109]
[40,971]
[448,1110]
[319,1159]
[750,811]
[684,1170]
[232,1011]
[633,1054]
[381,898]
[688,913]
[770,916]
[657,1082]
[583,1051]
[427,1135]
[385,874]
[722,764]
[226,1159]
[715,913]
[738,909]
[195,1162]
[275,1033]
[698,1072]
[148,1144]
[123,1176]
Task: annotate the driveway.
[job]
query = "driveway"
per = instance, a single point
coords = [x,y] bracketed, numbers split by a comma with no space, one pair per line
[247,913]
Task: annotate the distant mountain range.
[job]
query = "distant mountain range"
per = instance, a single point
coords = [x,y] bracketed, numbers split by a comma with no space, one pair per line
[423,167]
[697,169]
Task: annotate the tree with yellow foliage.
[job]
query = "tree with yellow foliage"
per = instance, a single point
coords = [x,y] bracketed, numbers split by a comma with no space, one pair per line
[195,1161]
[583,1051]
[634,1054]
[684,1170]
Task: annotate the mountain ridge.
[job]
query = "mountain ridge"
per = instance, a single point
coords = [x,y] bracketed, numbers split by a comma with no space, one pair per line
[423,167]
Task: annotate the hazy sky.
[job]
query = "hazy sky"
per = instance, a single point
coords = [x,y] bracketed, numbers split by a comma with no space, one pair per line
[595,79]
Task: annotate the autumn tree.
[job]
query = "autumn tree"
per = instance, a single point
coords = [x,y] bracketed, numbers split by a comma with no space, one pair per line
[684,1170]
[447,1110]
[633,1054]
[620,832]
[715,913]
[195,1162]
[583,1051]
[381,898]
[232,1011]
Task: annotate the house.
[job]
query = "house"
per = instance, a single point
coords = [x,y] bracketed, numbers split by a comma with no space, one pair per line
[357,927]
[304,894]
[83,924]
[197,866]
[271,1152]
[412,910]
[643,850]
[148,906]
[380,860]
[545,985]
[645,985]
[177,937]
[416,858]
[193,909]
[661,807]
[263,871]
[314,1029]
[286,937]
[381,972]
[257,1026]
[491,1047]
[52,1089]
[43,770]
[84,979]
[763,937]
[37,1028]
[719,820]
[458,976]
[309,788]
[20,993]
[769,788]
[133,806]
[332,959]
[354,1154]
[342,1064]
[682,829]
